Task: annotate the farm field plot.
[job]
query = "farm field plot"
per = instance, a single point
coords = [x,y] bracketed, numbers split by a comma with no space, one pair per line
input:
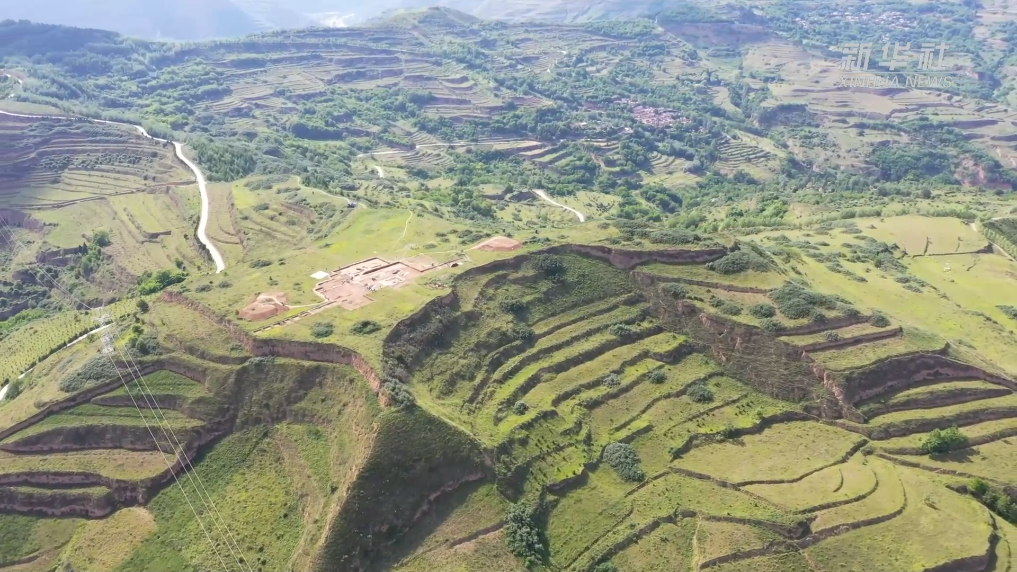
[925,396]
[842,333]
[115,464]
[102,416]
[913,233]
[838,483]
[814,444]
[996,461]
[912,340]
[901,420]
[887,499]
[29,344]
[882,546]
[999,428]
[751,278]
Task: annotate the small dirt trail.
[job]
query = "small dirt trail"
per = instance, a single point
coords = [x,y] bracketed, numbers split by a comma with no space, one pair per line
[406,227]
[3,390]
[543,195]
[381,172]
[220,264]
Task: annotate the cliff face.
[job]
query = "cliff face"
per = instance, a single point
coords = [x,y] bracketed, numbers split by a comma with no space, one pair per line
[900,372]
[307,351]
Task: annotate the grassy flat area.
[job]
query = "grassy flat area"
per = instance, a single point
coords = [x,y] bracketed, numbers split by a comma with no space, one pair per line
[912,232]
[621,410]
[677,491]
[749,278]
[888,497]
[763,456]
[489,552]
[927,311]
[584,514]
[961,526]
[189,329]
[860,355]
[164,383]
[98,415]
[720,538]
[104,544]
[792,562]
[916,396]
[666,549]
[848,332]
[110,463]
[241,474]
[476,508]
[22,536]
[836,483]
[939,412]
[971,431]
[996,460]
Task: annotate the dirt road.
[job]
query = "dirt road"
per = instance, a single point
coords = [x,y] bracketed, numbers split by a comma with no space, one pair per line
[543,195]
[220,264]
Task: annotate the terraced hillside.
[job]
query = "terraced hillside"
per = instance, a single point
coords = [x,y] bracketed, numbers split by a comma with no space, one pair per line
[749,449]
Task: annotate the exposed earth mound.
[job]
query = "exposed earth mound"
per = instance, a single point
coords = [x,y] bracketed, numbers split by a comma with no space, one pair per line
[499,244]
[265,306]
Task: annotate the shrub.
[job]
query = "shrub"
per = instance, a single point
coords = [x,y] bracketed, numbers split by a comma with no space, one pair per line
[796,301]
[512,306]
[398,394]
[623,458]
[879,320]
[716,302]
[657,376]
[741,261]
[203,288]
[95,371]
[1010,311]
[771,325]
[520,408]
[674,237]
[611,380]
[606,567]
[523,534]
[150,283]
[142,306]
[549,265]
[674,290]
[322,329]
[729,431]
[762,311]
[730,309]
[943,440]
[831,336]
[522,333]
[260,263]
[224,284]
[261,207]
[365,327]
[621,330]
[699,393]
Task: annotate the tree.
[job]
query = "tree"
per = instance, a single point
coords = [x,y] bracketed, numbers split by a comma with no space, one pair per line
[142,306]
[943,440]
[623,458]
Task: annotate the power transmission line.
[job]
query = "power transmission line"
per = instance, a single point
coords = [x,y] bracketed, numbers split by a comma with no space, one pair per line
[109,348]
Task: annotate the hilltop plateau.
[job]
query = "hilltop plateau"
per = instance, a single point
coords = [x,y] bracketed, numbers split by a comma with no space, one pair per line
[446,293]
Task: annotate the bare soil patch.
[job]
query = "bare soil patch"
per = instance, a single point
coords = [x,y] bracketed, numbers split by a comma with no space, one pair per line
[499,244]
[265,306]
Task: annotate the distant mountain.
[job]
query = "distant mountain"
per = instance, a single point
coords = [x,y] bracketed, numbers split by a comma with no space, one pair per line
[204,19]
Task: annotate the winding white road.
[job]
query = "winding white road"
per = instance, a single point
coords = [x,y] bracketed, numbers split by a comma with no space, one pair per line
[543,195]
[220,264]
